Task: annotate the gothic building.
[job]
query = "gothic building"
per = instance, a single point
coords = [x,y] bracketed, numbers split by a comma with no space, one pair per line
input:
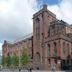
[48,45]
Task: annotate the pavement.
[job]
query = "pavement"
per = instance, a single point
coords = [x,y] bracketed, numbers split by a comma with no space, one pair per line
[16,70]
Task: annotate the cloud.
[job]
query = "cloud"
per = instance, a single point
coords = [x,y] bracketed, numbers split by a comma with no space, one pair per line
[63,10]
[16,18]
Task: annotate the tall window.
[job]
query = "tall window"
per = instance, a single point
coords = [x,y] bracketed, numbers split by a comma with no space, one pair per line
[55,52]
[55,49]
[49,31]
[38,57]
[37,28]
[48,49]
[52,29]
[49,61]
[55,60]
[68,49]
[64,47]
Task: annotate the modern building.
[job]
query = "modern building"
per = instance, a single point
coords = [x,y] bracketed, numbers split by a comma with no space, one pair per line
[48,45]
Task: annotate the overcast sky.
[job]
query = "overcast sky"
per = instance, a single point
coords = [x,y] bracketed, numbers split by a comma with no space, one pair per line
[16,16]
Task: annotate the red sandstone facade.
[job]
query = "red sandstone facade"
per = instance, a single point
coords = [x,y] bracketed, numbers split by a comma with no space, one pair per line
[51,39]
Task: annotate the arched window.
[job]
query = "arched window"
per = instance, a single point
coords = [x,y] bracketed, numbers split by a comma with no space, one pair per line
[48,49]
[55,52]
[68,49]
[37,28]
[55,49]
[49,61]
[64,47]
[38,57]
[55,60]
[37,20]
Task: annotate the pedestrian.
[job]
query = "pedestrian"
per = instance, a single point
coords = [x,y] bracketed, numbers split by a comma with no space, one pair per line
[30,69]
[19,69]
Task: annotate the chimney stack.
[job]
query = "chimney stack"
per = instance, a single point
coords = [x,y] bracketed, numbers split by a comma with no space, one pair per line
[45,7]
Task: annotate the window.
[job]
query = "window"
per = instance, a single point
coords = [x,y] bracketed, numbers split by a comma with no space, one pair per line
[37,20]
[49,61]
[37,28]
[53,26]
[67,61]
[55,49]
[64,47]
[38,33]
[62,62]
[52,30]
[68,49]
[38,57]
[49,31]
[55,60]
[48,49]
[31,52]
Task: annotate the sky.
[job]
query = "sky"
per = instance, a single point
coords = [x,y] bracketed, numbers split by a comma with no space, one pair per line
[51,2]
[16,16]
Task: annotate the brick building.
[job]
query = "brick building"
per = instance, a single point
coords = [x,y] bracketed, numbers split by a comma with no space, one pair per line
[50,42]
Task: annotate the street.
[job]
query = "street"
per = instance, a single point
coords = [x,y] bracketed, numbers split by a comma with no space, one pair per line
[6,70]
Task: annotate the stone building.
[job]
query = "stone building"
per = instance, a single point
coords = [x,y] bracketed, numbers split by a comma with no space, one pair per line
[50,42]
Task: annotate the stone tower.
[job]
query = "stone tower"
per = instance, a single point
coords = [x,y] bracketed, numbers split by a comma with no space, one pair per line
[41,22]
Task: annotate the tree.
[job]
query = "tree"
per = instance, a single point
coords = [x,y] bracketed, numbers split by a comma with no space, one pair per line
[24,59]
[14,59]
[8,60]
[3,60]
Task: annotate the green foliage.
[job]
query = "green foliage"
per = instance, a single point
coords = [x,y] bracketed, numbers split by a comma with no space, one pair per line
[24,59]
[8,60]
[14,60]
[3,60]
